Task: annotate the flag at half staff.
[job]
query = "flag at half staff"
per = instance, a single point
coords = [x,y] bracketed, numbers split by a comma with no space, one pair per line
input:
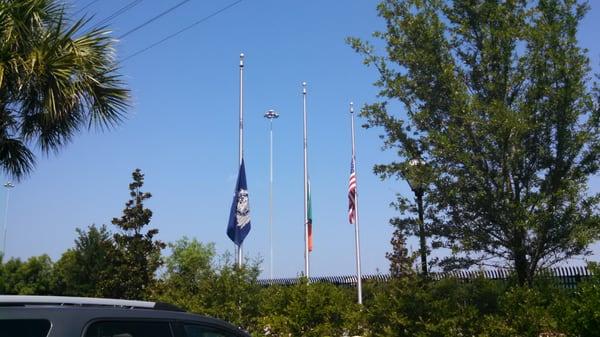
[352,193]
[239,216]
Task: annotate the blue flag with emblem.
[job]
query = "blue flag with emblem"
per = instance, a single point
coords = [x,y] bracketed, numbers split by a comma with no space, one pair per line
[239,216]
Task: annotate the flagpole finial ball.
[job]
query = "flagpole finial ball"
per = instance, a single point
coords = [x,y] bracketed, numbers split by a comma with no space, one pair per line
[242,55]
[303,84]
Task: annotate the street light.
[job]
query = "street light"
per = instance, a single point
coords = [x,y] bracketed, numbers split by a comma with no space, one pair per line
[271,115]
[417,185]
[8,186]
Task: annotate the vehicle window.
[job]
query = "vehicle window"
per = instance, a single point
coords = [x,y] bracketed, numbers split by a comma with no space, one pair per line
[24,328]
[194,330]
[128,329]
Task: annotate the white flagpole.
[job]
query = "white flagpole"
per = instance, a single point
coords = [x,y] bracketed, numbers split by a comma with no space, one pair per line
[241,145]
[306,253]
[356,229]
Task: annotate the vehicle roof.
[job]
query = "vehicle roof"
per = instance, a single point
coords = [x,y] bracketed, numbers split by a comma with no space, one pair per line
[83,310]
[101,312]
[62,300]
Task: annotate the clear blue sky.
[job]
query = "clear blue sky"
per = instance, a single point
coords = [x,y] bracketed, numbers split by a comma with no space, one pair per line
[182,133]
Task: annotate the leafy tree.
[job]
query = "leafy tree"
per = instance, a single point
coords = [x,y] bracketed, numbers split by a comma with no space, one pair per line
[84,269]
[136,257]
[56,77]
[401,261]
[198,280]
[234,293]
[496,99]
[189,272]
[32,277]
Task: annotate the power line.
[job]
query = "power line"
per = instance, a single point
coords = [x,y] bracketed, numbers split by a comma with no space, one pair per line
[86,6]
[149,21]
[182,30]
[119,12]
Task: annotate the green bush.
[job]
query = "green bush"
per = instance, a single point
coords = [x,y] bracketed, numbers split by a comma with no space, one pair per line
[583,311]
[310,310]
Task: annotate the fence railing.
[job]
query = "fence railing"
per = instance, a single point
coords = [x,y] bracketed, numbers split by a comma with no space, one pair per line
[568,277]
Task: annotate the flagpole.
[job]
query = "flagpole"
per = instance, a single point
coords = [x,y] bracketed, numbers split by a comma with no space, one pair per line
[306,256]
[356,229]
[241,145]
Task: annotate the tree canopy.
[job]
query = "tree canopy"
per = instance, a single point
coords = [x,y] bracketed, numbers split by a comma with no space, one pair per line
[496,97]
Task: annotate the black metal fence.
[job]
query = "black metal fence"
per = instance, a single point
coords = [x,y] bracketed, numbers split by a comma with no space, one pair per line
[568,277]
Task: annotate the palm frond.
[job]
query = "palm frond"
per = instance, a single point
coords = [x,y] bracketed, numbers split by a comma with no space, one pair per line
[15,158]
[56,76]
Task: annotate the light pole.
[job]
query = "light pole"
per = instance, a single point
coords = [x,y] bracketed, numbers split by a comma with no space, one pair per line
[271,115]
[415,181]
[8,186]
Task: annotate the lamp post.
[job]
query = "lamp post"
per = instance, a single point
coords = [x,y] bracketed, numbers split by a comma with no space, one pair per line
[415,181]
[8,186]
[271,115]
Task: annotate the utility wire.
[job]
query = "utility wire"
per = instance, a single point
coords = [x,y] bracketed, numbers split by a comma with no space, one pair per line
[86,6]
[149,21]
[119,12]
[182,30]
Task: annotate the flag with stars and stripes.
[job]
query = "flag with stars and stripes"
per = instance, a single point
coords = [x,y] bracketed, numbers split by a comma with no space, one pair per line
[352,193]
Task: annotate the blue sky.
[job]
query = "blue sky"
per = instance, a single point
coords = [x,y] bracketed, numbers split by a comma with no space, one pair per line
[182,133]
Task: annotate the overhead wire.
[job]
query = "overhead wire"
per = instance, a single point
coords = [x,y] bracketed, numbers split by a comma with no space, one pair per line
[85,7]
[119,12]
[168,37]
[149,21]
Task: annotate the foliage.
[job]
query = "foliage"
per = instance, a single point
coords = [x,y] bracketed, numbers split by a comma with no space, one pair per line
[32,277]
[200,281]
[136,256]
[582,313]
[496,99]
[401,262]
[189,271]
[412,307]
[197,279]
[56,77]
[84,269]
[317,309]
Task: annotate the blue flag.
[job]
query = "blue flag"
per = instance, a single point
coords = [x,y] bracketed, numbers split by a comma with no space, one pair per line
[239,216]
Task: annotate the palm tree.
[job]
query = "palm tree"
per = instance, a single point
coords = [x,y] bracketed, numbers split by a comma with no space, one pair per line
[56,78]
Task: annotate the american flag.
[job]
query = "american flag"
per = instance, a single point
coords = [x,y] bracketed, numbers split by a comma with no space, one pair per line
[352,193]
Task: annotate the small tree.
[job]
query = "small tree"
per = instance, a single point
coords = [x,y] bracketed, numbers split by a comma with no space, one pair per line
[137,254]
[189,272]
[401,262]
[198,280]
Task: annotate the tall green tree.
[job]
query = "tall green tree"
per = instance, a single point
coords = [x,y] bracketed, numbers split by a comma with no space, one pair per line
[84,269]
[496,97]
[56,78]
[137,252]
